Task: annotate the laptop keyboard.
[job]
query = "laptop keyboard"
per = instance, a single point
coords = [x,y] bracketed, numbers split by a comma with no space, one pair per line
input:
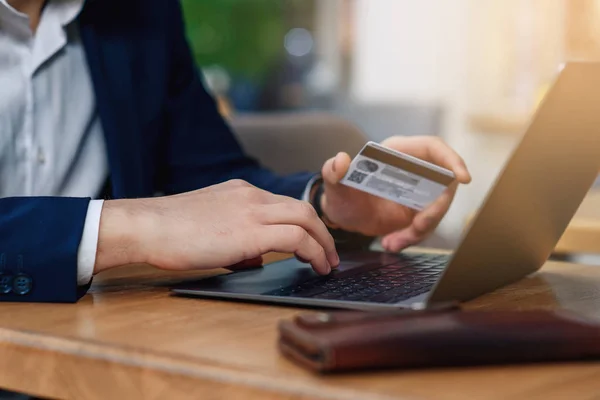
[406,277]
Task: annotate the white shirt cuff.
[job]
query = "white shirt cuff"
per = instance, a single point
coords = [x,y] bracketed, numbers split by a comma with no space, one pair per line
[86,254]
[309,185]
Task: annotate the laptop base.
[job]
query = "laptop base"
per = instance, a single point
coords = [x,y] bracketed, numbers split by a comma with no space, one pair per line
[364,280]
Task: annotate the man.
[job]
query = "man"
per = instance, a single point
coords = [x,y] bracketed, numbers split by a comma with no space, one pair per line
[102,91]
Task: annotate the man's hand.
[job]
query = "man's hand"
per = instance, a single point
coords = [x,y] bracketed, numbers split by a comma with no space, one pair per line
[357,211]
[231,224]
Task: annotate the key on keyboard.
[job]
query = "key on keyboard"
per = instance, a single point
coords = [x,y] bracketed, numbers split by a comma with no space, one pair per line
[406,278]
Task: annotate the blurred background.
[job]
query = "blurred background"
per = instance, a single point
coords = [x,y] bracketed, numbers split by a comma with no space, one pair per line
[469,71]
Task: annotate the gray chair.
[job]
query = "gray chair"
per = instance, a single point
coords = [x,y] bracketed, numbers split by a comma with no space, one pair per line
[292,142]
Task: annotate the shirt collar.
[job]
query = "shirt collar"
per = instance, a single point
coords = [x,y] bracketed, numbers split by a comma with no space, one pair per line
[65,10]
[4,4]
[13,20]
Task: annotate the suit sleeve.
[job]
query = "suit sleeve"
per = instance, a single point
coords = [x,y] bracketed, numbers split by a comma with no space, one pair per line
[39,239]
[201,149]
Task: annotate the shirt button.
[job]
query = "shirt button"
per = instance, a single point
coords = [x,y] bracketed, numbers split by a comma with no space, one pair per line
[5,283]
[22,284]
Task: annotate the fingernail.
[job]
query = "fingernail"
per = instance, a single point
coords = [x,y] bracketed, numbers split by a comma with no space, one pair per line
[336,260]
[399,245]
[328,270]
[333,164]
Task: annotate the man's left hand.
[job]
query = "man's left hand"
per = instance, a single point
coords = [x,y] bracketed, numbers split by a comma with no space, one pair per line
[356,211]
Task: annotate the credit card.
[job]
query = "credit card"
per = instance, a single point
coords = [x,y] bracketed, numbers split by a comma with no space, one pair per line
[397,176]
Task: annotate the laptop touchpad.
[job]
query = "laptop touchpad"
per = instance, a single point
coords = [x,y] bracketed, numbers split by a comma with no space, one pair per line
[260,280]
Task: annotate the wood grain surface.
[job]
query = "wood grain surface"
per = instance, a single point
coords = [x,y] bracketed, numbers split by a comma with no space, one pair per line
[130,339]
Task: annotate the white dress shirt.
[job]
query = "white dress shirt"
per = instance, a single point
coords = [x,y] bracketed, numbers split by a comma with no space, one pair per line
[51,142]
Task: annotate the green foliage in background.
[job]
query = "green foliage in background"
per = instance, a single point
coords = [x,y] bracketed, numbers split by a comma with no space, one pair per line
[243,36]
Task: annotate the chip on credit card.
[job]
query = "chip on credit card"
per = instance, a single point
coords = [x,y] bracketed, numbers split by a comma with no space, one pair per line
[397,176]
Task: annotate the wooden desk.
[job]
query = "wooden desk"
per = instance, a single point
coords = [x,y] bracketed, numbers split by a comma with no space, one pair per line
[128,339]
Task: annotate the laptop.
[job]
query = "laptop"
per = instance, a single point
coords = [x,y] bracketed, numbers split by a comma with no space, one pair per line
[514,232]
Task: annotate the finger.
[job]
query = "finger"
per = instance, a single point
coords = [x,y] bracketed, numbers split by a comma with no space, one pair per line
[423,224]
[428,219]
[302,214]
[411,235]
[335,168]
[251,263]
[431,149]
[396,241]
[294,239]
[399,240]
[302,260]
[442,154]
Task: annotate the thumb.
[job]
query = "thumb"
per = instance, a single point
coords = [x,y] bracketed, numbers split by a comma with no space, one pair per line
[335,168]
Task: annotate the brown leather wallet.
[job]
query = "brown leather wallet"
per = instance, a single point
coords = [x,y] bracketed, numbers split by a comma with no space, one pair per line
[440,337]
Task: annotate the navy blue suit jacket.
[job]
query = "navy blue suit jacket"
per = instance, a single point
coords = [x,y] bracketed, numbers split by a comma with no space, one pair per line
[163,134]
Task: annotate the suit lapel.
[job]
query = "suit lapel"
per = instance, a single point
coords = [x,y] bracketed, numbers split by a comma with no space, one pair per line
[109,62]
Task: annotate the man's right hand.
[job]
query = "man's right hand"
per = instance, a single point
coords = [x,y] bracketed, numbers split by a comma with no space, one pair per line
[217,226]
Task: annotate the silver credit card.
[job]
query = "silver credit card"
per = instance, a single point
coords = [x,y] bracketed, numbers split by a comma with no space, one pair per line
[396,176]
